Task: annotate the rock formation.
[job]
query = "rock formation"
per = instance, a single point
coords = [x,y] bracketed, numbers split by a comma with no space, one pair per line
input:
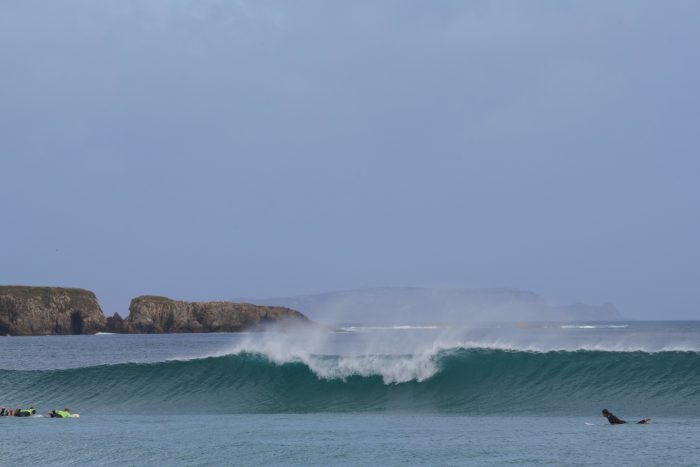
[149,314]
[29,311]
[26,311]
[116,324]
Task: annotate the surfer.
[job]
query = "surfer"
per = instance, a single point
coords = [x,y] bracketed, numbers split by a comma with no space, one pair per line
[6,412]
[616,421]
[25,412]
[65,413]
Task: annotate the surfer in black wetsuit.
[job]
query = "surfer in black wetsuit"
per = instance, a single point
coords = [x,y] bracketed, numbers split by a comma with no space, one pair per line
[25,412]
[616,421]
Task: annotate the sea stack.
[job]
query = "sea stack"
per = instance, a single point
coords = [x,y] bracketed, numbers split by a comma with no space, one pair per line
[28,311]
[151,314]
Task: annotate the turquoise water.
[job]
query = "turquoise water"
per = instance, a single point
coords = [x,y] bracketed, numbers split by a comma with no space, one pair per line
[470,381]
[347,439]
[430,395]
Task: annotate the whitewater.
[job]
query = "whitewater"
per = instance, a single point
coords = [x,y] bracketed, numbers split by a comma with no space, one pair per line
[351,394]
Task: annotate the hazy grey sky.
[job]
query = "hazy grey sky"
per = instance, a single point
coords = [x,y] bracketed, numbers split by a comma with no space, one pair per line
[214,149]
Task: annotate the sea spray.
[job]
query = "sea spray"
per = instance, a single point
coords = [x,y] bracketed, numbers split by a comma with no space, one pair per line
[316,348]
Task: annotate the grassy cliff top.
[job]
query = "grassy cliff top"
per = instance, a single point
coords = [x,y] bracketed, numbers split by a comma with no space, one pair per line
[152,298]
[44,294]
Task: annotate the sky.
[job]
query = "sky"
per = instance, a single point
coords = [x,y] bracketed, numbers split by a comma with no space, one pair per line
[216,149]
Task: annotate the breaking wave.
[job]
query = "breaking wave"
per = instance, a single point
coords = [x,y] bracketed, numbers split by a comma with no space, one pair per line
[459,380]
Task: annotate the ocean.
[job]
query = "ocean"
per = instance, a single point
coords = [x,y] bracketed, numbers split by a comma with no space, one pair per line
[524,394]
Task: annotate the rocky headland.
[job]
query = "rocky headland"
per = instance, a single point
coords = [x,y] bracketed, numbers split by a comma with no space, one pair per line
[150,314]
[28,311]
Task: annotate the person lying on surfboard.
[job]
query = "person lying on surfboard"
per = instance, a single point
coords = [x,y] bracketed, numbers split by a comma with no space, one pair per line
[25,412]
[616,421]
[65,413]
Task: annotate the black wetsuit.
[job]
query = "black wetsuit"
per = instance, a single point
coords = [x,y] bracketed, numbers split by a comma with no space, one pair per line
[614,420]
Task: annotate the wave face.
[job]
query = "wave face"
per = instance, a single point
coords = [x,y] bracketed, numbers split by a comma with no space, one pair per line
[459,380]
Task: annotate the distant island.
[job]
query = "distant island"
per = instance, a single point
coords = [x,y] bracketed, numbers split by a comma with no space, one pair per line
[29,311]
[402,305]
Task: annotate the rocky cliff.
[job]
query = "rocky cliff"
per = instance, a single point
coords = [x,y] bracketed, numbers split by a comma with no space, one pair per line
[26,311]
[149,314]
[30,311]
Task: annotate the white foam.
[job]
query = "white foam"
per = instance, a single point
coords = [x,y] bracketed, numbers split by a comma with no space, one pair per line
[399,357]
[314,349]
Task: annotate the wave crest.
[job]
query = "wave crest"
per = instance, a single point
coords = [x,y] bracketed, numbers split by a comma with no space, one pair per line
[448,380]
